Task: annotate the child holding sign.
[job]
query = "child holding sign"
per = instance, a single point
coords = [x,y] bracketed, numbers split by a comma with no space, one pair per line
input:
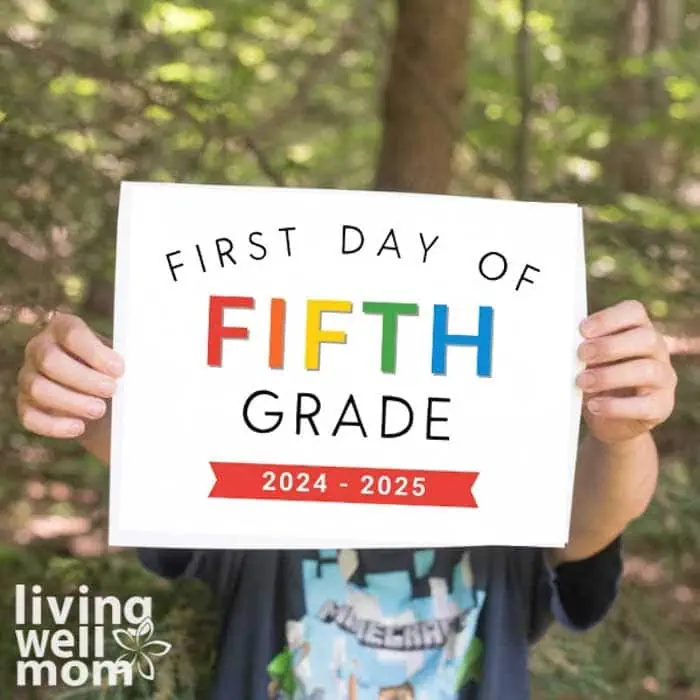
[427,623]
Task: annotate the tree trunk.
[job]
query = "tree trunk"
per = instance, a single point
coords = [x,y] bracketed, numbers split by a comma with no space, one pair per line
[635,159]
[423,96]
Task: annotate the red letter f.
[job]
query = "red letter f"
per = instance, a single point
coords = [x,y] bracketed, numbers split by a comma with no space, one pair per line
[217,330]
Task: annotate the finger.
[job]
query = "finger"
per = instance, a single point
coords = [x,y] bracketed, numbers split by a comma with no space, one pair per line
[651,408]
[639,342]
[622,316]
[57,365]
[54,398]
[74,335]
[625,375]
[37,421]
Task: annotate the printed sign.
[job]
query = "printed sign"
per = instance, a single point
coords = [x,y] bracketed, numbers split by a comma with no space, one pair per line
[348,369]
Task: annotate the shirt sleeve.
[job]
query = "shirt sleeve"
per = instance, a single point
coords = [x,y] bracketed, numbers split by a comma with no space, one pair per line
[582,592]
[217,568]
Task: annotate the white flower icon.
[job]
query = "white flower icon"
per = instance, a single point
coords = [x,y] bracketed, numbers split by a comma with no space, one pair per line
[140,648]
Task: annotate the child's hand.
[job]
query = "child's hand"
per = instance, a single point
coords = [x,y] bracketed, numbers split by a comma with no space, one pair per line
[629,383]
[66,379]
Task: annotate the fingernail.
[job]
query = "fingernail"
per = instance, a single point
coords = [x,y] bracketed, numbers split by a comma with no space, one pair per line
[588,352]
[587,328]
[586,380]
[74,428]
[97,409]
[594,406]
[107,387]
[115,366]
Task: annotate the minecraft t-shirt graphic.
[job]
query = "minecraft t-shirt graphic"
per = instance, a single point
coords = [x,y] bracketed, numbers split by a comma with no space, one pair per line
[399,625]
[432,624]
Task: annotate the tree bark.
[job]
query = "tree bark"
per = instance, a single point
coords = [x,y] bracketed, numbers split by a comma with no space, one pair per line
[423,96]
[524,90]
[635,160]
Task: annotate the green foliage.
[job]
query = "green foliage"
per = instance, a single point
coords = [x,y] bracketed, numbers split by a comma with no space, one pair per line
[287,93]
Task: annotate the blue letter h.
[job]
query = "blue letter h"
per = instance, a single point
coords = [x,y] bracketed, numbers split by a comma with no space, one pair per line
[483,342]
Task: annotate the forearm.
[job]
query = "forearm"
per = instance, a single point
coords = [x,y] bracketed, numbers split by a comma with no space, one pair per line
[614,485]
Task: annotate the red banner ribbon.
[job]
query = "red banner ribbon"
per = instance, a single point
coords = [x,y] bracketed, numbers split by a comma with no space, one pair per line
[288,482]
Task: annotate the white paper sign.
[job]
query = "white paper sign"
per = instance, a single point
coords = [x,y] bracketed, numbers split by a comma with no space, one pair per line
[344,369]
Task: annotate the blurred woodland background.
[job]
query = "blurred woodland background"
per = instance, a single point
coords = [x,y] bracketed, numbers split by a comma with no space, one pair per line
[591,102]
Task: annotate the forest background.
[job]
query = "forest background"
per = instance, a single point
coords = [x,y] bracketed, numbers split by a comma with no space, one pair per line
[596,103]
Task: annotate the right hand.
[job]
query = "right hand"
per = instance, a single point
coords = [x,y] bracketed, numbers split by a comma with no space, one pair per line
[67,379]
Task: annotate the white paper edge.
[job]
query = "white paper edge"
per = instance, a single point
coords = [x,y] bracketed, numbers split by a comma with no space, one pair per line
[580,313]
[121,287]
[135,539]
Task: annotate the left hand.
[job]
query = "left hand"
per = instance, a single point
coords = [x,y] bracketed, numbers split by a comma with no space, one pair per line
[629,383]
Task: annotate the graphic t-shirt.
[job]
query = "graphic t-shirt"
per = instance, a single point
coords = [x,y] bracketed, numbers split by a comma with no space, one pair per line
[428,624]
